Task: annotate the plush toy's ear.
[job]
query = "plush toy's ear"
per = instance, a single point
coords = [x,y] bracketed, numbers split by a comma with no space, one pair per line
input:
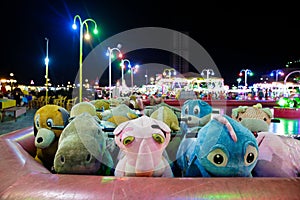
[120,127]
[163,126]
[65,115]
[236,111]
[34,129]
[268,112]
[224,121]
[117,132]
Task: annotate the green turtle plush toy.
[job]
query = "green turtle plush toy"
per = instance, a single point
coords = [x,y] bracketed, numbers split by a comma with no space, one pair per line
[82,148]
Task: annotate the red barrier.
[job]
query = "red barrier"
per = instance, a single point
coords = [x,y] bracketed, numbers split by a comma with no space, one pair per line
[288,113]
[233,103]
[24,178]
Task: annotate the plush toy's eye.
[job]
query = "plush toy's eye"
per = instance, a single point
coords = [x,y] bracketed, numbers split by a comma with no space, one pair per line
[186,110]
[265,119]
[250,155]
[240,119]
[62,159]
[158,138]
[196,110]
[218,158]
[88,157]
[37,121]
[49,122]
[128,140]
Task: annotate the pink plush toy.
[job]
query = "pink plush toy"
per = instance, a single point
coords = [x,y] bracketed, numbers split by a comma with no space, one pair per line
[278,156]
[142,143]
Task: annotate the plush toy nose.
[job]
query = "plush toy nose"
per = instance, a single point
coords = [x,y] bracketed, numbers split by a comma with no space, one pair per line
[39,140]
[44,138]
[144,162]
[192,120]
[144,174]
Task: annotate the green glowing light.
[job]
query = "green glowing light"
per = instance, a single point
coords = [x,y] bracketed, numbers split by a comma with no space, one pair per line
[286,102]
[283,102]
[107,179]
[222,196]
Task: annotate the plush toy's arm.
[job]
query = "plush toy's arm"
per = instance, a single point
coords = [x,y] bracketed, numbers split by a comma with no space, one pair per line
[38,152]
[120,168]
[193,170]
[168,171]
[107,159]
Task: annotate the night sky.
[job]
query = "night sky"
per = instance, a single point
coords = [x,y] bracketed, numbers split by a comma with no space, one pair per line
[255,36]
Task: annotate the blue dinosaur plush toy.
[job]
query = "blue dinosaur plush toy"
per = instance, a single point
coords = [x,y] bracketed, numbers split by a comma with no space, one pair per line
[223,148]
[195,113]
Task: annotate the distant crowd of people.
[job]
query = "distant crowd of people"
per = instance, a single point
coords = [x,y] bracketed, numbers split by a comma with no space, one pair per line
[23,98]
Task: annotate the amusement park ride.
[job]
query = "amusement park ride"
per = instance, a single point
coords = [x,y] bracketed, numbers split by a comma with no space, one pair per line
[24,178]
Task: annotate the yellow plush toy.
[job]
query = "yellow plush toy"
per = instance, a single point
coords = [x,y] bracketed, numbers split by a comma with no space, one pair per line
[119,114]
[168,116]
[82,107]
[49,122]
[100,105]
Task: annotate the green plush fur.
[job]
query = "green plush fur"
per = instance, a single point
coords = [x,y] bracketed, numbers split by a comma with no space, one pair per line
[82,148]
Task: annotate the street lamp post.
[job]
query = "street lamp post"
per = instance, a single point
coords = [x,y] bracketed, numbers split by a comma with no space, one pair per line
[46,63]
[277,72]
[208,72]
[110,51]
[238,80]
[247,71]
[123,66]
[87,36]
[11,81]
[132,71]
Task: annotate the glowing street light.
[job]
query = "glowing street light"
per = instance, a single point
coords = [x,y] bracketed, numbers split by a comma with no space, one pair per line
[123,67]
[46,63]
[277,72]
[208,72]
[133,70]
[11,81]
[87,37]
[238,80]
[247,72]
[110,56]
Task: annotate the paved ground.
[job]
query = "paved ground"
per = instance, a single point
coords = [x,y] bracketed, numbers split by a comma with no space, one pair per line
[23,121]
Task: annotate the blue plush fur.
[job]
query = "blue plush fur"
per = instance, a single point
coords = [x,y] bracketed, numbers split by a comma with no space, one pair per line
[195,113]
[215,153]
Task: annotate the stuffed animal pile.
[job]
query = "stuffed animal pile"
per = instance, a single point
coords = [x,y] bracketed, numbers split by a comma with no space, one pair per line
[204,145]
